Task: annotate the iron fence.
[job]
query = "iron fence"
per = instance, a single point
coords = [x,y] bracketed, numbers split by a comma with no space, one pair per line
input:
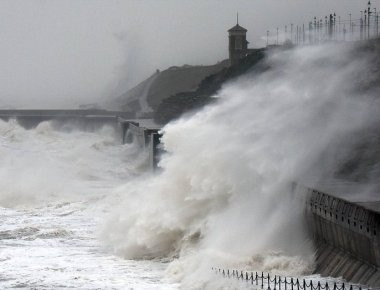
[276,282]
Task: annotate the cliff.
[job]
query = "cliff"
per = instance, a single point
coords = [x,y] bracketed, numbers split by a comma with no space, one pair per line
[177,104]
[148,95]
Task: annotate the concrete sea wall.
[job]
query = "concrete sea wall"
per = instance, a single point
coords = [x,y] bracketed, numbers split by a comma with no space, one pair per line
[346,236]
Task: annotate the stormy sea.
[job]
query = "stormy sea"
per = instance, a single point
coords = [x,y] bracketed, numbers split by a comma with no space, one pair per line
[79,210]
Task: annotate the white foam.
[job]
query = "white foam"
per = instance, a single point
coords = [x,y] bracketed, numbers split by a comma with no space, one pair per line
[223,197]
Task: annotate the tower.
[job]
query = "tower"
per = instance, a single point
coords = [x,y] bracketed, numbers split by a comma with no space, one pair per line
[238,44]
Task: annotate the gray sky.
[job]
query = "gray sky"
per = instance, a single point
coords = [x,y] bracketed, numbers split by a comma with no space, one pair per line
[61,53]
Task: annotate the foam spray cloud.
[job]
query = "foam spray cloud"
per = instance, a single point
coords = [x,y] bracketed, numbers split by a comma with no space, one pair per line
[223,197]
[57,161]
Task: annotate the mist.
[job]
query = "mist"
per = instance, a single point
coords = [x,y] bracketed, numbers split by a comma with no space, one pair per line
[61,54]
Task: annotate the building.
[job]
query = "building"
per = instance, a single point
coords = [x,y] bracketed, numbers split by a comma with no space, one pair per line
[238,44]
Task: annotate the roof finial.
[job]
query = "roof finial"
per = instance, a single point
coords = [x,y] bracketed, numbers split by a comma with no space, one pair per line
[237,18]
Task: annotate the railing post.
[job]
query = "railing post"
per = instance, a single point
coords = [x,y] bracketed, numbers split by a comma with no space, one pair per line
[319,285]
[343,286]
[268,281]
[334,285]
[298,284]
[286,286]
[351,287]
[327,286]
[275,282]
[246,276]
[241,275]
[228,273]
[291,281]
[279,282]
[257,278]
[252,278]
[304,284]
[311,285]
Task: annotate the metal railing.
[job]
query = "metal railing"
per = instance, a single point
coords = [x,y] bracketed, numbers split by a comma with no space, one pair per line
[327,28]
[276,282]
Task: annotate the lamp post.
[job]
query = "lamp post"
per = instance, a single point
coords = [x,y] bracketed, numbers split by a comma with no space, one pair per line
[375,21]
[369,14]
[277,37]
[339,31]
[291,32]
[286,31]
[365,23]
[350,27]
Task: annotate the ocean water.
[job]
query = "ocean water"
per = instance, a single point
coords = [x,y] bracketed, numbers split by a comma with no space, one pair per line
[55,189]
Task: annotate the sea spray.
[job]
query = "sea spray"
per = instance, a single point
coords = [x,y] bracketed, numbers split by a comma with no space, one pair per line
[44,164]
[223,197]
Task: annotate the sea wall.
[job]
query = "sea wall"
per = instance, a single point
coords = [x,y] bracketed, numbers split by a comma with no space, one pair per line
[346,236]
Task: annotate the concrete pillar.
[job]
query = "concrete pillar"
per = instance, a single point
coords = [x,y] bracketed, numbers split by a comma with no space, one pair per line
[154,150]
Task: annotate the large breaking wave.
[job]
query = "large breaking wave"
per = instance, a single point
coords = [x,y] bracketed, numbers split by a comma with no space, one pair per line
[223,196]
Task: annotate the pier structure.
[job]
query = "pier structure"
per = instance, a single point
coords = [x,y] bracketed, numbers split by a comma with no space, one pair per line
[141,131]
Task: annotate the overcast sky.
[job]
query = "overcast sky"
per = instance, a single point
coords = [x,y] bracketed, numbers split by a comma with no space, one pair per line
[62,53]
